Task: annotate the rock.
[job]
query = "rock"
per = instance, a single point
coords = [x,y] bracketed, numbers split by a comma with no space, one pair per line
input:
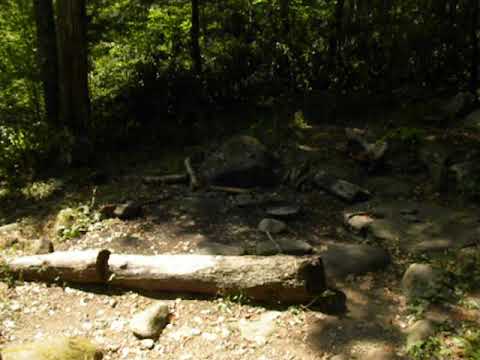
[422,281]
[472,121]
[369,152]
[107,211]
[241,162]
[128,210]
[42,246]
[358,223]
[467,177]
[283,246]
[9,228]
[284,212]
[214,248]
[458,105]
[417,227]
[341,188]
[420,331]
[434,157]
[149,323]
[58,349]
[147,344]
[260,330]
[341,260]
[272,226]
[247,200]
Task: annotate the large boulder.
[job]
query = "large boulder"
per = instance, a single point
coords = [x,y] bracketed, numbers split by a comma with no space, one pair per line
[341,260]
[242,161]
[435,156]
[472,121]
[422,281]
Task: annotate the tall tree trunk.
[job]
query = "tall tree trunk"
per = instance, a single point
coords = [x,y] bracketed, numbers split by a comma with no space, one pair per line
[475,50]
[73,65]
[47,56]
[195,35]
[336,31]
[284,18]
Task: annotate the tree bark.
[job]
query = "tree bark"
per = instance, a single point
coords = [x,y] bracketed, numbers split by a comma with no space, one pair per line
[475,49]
[276,279]
[73,65]
[336,31]
[285,18]
[88,267]
[195,38]
[47,57]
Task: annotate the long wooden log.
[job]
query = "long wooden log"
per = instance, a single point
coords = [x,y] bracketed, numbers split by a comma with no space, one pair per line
[276,279]
[76,266]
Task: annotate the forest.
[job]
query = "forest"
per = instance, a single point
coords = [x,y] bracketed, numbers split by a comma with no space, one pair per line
[239,179]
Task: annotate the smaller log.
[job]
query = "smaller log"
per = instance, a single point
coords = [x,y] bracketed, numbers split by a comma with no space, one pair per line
[230,190]
[194,182]
[87,267]
[275,279]
[166,179]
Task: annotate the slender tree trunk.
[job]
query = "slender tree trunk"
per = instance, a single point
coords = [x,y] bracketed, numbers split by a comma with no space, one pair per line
[195,35]
[73,65]
[475,50]
[284,17]
[47,56]
[336,31]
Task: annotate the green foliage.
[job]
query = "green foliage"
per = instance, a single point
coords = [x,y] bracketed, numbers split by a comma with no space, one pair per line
[141,72]
[426,350]
[73,222]
[407,135]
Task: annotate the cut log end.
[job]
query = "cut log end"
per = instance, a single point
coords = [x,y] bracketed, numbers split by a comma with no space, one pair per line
[313,274]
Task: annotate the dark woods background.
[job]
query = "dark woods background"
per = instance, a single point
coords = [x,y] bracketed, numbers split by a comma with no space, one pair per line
[174,69]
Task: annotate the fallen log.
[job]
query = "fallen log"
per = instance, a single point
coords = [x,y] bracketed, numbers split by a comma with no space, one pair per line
[275,279]
[166,179]
[230,190]
[88,267]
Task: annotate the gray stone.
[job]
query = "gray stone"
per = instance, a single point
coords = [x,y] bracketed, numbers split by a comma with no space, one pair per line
[467,176]
[434,157]
[358,222]
[422,281]
[458,105]
[260,330]
[241,162]
[371,152]
[214,248]
[472,121]
[413,226]
[341,260]
[341,188]
[147,344]
[283,246]
[42,246]
[9,228]
[128,210]
[149,323]
[272,226]
[420,331]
